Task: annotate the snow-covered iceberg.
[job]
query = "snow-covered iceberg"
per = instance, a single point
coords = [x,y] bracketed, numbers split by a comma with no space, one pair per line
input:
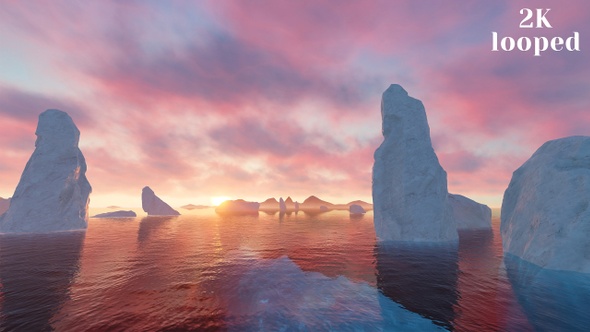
[53,192]
[470,214]
[154,206]
[410,194]
[545,211]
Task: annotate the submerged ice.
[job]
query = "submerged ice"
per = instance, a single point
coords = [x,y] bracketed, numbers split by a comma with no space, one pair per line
[276,295]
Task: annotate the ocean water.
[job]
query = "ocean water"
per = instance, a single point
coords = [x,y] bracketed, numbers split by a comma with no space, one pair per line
[273,272]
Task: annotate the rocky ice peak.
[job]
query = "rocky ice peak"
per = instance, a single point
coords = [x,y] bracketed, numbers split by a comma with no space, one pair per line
[409,184]
[53,192]
[154,206]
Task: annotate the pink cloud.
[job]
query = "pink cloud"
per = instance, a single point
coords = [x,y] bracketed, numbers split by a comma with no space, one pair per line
[195,97]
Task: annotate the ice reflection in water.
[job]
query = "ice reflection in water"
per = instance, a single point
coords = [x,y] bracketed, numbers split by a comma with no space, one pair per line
[298,271]
[422,278]
[36,272]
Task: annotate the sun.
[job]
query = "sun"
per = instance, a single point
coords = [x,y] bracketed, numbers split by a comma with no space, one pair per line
[219,199]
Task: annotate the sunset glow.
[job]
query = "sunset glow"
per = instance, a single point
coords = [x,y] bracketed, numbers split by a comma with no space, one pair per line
[215,201]
[212,98]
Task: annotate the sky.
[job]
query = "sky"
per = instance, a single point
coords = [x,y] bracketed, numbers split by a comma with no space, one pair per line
[258,99]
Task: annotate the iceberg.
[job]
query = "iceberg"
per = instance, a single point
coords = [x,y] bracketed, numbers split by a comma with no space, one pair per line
[270,204]
[53,192]
[364,205]
[116,214]
[277,295]
[289,204]
[4,204]
[410,194]
[312,203]
[238,206]
[154,206]
[545,216]
[356,209]
[194,207]
[470,214]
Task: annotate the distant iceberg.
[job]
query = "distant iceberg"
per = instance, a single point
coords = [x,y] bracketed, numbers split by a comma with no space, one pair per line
[289,204]
[470,214]
[154,206]
[356,209]
[270,204]
[53,192]
[238,206]
[116,214]
[194,207]
[366,206]
[312,203]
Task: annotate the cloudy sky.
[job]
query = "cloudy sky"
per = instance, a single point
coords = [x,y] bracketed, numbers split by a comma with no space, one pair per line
[252,99]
